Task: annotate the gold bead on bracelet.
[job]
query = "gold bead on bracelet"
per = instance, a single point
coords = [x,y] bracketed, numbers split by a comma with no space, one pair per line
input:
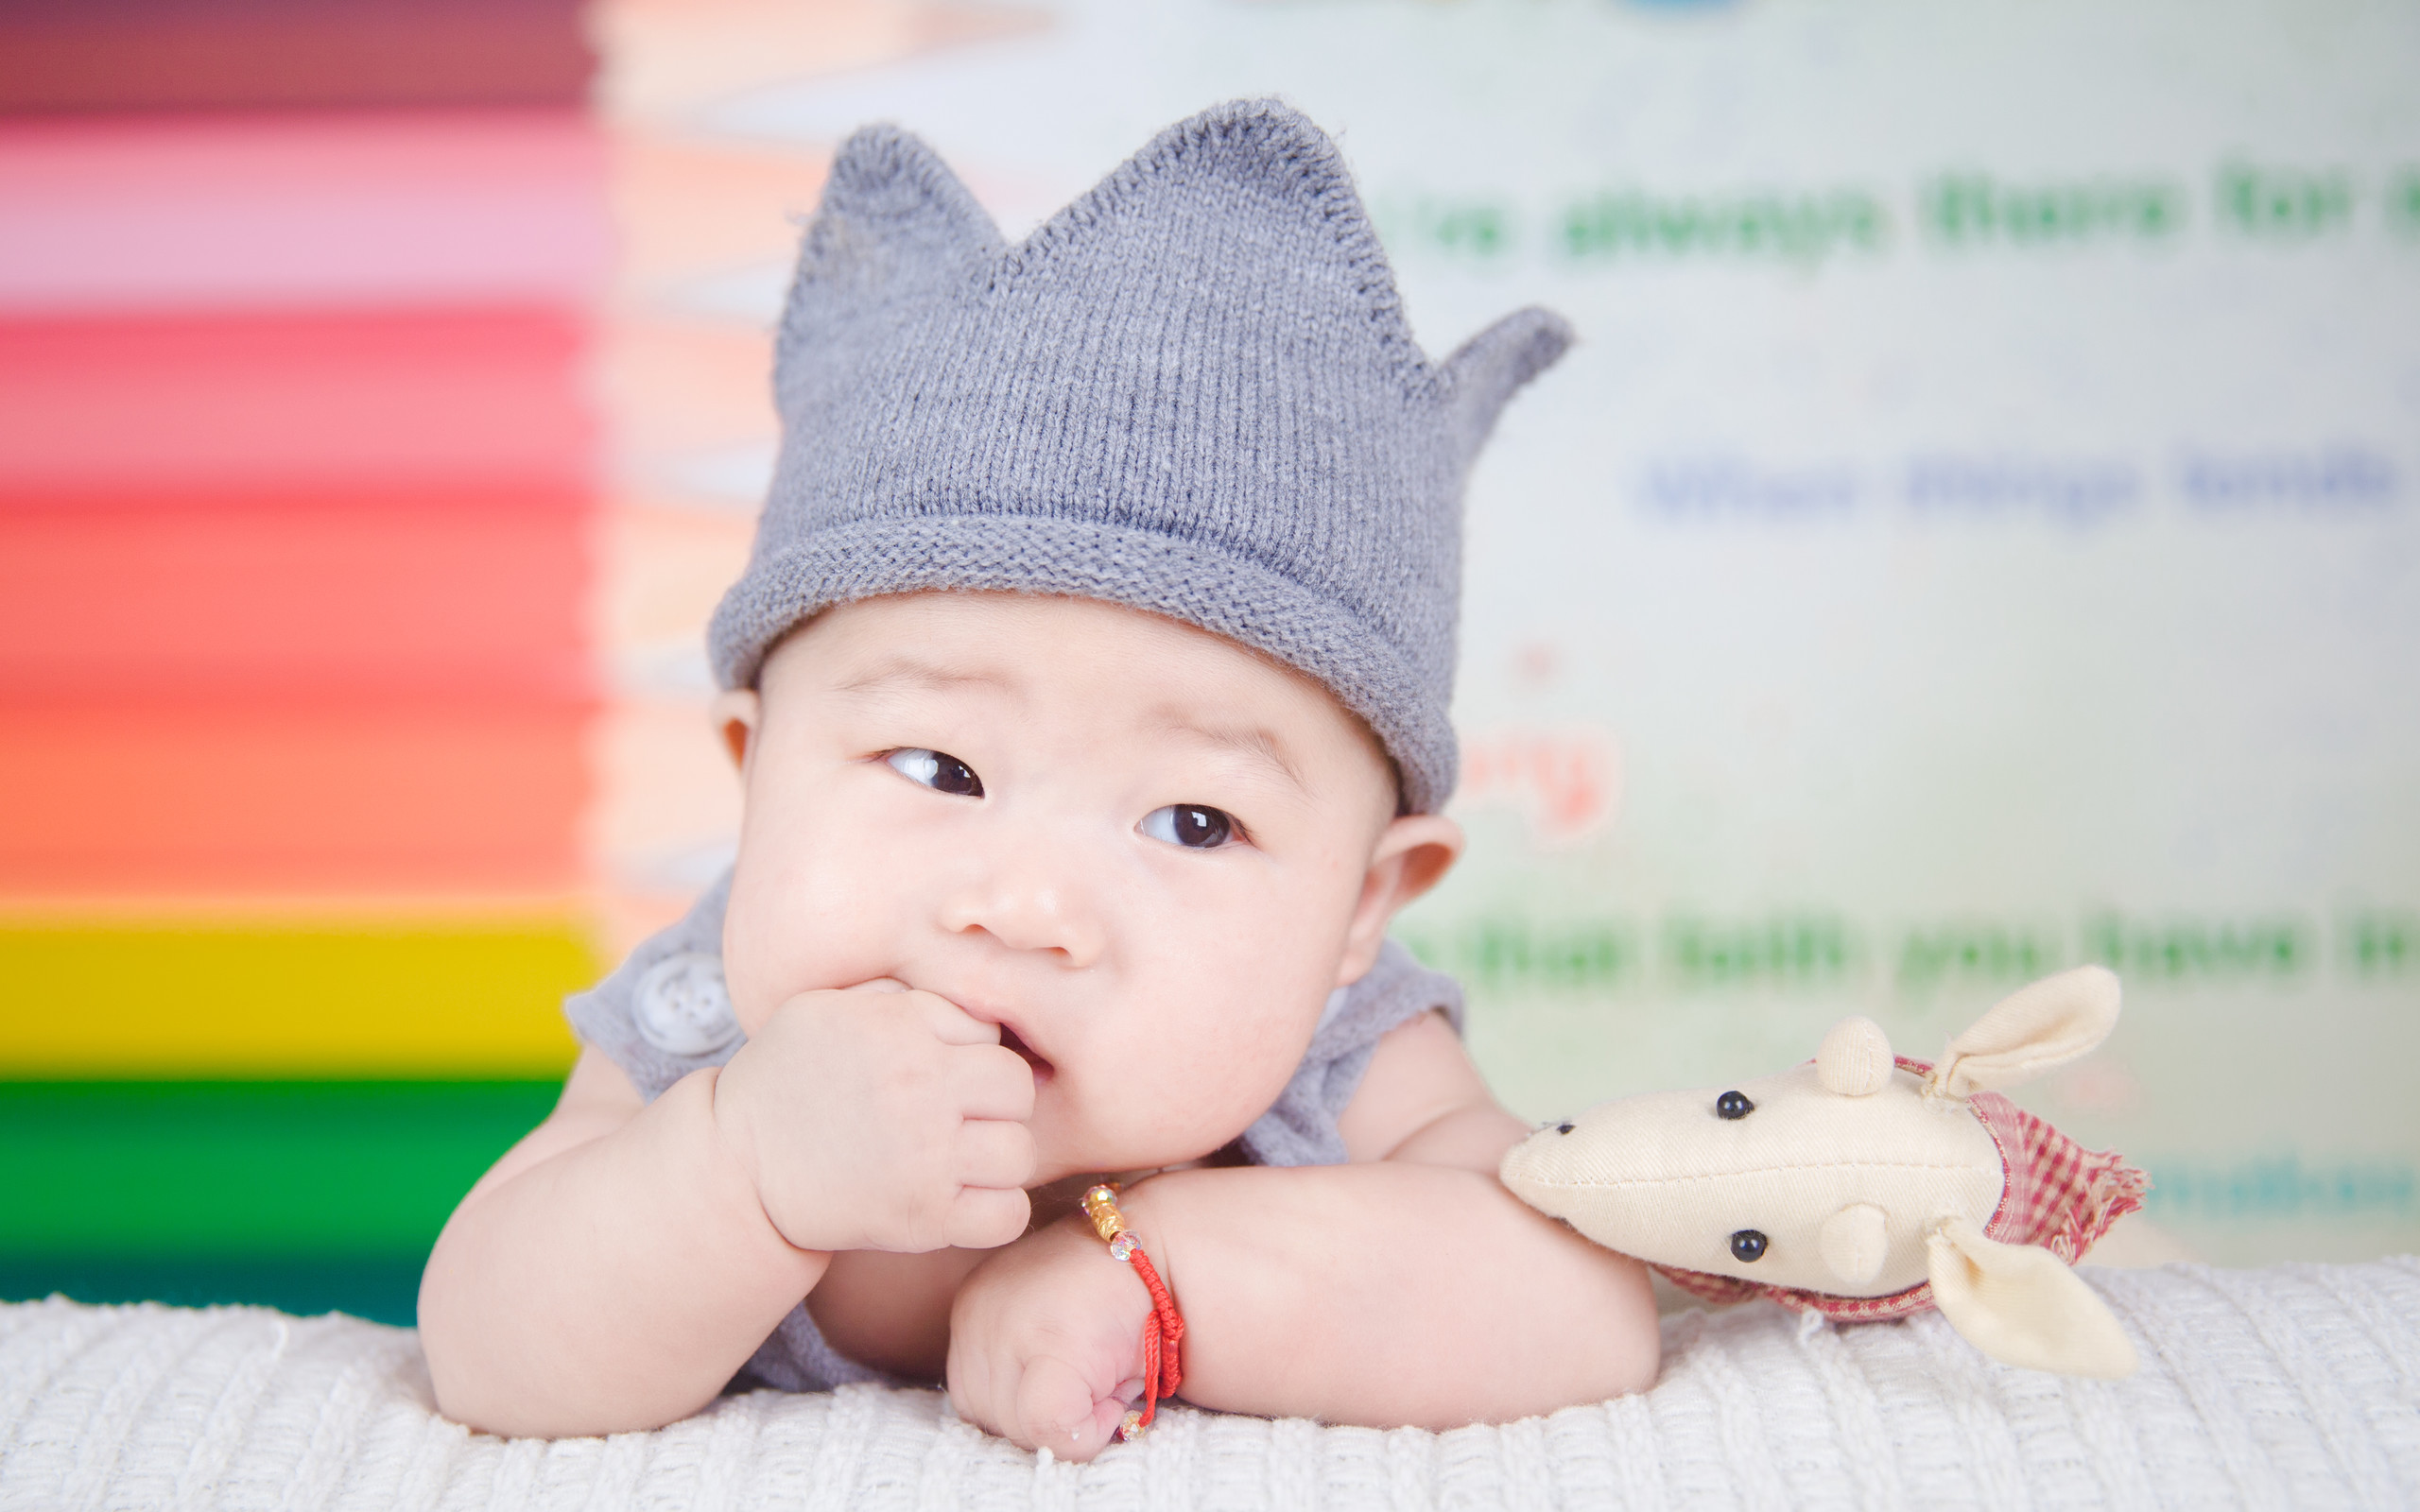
[1100,1206]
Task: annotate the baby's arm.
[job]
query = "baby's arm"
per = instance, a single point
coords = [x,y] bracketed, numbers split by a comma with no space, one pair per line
[619,1265]
[1408,1287]
[613,1271]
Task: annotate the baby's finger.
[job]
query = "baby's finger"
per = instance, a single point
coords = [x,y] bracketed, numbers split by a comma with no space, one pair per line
[986,1217]
[1056,1407]
[994,1153]
[993,1082]
[952,1024]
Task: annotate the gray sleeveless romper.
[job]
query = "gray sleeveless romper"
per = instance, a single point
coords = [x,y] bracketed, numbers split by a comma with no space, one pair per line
[662,1014]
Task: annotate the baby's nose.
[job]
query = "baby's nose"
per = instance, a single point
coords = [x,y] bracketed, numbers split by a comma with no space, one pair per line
[1027,908]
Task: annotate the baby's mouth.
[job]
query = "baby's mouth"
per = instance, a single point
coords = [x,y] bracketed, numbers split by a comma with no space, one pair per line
[1040,1068]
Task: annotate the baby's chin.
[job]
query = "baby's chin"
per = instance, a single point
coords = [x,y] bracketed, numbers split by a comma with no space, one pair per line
[1111,1160]
[1051,1170]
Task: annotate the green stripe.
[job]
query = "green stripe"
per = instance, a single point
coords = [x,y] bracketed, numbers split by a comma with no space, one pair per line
[382,1288]
[247,1171]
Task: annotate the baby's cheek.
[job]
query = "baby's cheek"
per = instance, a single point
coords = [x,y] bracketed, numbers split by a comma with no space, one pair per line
[802,925]
[1240,1065]
[1224,1019]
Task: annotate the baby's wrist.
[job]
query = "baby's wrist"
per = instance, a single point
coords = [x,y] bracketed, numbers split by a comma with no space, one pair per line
[732,1150]
[1162,1335]
[734,1143]
[1143,1210]
[1150,1216]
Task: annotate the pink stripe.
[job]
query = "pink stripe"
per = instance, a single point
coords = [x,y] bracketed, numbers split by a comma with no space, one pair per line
[427,402]
[302,210]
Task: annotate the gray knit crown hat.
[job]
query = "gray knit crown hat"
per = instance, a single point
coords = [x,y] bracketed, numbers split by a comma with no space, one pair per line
[1192,393]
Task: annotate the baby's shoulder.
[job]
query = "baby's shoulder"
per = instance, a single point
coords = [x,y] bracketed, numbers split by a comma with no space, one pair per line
[1420,1075]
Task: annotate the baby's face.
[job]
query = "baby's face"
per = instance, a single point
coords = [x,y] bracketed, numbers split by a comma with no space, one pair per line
[1144,851]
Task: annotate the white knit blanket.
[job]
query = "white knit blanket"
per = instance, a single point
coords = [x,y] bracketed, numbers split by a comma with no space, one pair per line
[2293,1386]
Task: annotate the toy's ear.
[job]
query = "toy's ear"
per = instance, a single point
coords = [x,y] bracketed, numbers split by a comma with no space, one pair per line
[1855,1060]
[2029,1031]
[2021,1305]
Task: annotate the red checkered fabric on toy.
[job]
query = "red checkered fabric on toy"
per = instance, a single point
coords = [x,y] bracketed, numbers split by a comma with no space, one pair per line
[2053,1193]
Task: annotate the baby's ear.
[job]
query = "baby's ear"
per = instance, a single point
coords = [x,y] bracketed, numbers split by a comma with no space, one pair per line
[1413,851]
[733,714]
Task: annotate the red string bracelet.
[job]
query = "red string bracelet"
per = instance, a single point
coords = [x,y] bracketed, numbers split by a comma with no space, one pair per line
[1162,1331]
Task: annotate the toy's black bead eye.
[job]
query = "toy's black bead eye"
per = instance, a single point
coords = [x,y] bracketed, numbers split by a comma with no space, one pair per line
[1733,1105]
[1747,1246]
[1563,1128]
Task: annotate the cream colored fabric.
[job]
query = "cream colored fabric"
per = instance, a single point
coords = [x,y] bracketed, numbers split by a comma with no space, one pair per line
[1856,1240]
[2049,1024]
[2294,1387]
[1855,1058]
[1844,1176]
[2021,1305]
[1663,1177]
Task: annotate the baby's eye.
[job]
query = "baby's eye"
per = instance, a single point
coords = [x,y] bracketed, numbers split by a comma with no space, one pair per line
[936,770]
[1190,825]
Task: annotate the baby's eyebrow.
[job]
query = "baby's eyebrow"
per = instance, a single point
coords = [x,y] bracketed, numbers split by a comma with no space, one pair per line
[924,677]
[1251,742]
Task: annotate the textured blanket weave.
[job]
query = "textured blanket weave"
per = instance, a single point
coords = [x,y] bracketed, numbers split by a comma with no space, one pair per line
[2294,1387]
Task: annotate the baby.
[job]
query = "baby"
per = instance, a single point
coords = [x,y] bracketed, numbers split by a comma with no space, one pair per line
[1088,684]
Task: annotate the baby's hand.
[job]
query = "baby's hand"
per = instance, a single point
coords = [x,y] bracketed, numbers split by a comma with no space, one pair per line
[1046,1341]
[881,1118]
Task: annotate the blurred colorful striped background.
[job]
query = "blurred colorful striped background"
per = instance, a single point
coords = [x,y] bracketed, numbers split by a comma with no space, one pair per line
[374,440]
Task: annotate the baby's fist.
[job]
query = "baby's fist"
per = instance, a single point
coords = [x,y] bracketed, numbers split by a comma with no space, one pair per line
[1046,1341]
[881,1118]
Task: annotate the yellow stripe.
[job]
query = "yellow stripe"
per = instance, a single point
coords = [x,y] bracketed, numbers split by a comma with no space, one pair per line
[215,997]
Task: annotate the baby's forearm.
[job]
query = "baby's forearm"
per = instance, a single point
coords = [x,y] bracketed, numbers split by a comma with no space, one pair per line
[617,1286]
[1387,1293]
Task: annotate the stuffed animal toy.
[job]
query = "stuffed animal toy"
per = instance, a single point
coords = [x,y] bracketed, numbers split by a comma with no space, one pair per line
[1863,1186]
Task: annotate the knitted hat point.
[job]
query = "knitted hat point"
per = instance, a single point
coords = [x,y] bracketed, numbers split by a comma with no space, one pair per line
[1191,391]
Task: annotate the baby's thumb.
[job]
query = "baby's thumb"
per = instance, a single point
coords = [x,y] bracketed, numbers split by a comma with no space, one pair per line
[1056,1410]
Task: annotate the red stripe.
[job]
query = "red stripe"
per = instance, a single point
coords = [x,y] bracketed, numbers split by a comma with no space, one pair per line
[478,598]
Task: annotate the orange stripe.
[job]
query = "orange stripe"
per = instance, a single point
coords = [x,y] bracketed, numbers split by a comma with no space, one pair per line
[291,798]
